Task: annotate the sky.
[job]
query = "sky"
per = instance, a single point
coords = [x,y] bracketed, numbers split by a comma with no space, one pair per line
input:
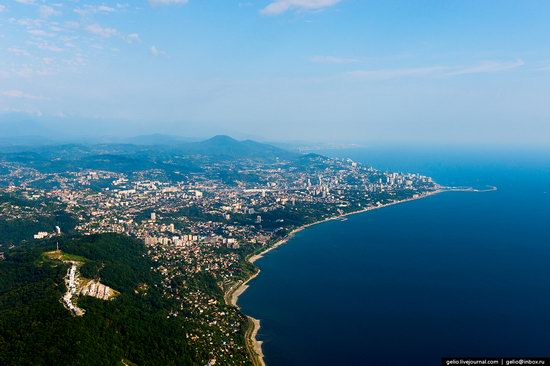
[426,71]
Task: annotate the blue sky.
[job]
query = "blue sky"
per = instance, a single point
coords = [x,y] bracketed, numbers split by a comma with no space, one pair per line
[461,72]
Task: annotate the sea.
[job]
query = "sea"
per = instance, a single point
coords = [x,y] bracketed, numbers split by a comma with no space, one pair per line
[458,274]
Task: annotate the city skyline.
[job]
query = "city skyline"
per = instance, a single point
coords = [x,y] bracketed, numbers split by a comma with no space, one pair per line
[319,70]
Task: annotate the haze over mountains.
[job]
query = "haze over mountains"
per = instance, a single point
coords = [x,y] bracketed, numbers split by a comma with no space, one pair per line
[156,152]
[27,129]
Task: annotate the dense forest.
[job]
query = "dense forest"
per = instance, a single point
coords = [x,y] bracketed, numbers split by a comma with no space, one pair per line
[35,328]
[15,230]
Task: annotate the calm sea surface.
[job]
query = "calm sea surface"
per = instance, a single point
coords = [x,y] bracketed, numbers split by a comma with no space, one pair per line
[456,274]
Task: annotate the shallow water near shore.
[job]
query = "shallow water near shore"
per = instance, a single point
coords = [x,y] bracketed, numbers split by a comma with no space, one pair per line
[455,274]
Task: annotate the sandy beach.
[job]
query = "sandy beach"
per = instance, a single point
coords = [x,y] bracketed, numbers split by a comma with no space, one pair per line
[232,295]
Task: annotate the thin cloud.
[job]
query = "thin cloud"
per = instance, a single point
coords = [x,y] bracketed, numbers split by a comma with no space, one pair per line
[154,51]
[2,8]
[167,2]
[332,60]
[47,11]
[399,73]
[94,9]
[488,67]
[14,93]
[47,46]
[27,22]
[26,2]
[104,32]
[71,24]
[105,9]
[133,38]
[18,51]
[280,6]
[39,33]
[437,71]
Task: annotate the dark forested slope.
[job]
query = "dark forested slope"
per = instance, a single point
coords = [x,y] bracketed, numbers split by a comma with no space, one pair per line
[36,329]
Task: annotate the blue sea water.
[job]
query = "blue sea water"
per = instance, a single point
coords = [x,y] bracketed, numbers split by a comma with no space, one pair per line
[456,274]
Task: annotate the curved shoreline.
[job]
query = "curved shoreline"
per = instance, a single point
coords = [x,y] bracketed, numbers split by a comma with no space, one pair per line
[231,296]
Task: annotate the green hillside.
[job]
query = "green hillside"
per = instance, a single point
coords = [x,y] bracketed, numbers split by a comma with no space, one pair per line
[36,329]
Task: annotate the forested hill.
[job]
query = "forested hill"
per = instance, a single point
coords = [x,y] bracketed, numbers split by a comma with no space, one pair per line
[35,328]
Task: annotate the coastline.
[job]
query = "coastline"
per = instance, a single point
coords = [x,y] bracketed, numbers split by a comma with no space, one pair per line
[231,296]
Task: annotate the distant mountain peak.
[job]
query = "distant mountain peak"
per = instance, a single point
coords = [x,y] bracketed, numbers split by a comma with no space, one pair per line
[228,147]
[222,139]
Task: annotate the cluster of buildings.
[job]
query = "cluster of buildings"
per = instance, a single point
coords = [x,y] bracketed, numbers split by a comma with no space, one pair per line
[199,229]
[44,234]
[20,204]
